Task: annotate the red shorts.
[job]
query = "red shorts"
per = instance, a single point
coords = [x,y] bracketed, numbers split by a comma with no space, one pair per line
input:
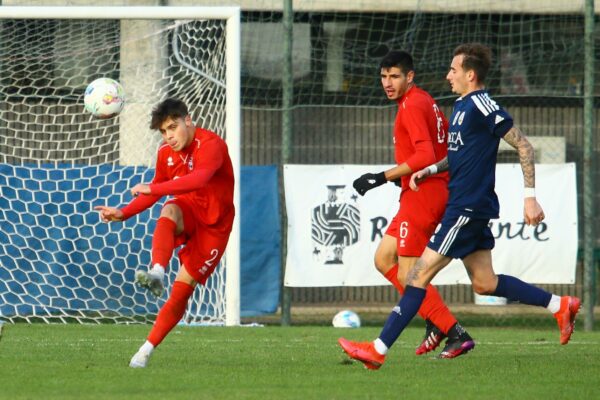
[418,216]
[204,245]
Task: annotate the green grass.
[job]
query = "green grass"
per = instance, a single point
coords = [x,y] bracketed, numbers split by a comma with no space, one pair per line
[40,361]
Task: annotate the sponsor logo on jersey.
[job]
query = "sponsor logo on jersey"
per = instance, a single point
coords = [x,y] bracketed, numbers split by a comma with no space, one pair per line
[454,141]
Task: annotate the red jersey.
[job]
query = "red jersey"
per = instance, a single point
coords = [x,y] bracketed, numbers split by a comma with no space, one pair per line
[420,133]
[201,173]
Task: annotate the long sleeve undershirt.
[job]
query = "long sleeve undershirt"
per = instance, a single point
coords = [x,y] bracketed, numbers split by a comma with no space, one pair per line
[422,157]
[184,184]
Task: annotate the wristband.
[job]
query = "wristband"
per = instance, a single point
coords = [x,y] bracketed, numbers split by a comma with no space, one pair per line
[529,192]
[432,169]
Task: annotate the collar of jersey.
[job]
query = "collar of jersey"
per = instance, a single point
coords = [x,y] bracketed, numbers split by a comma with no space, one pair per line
[472,94]
[401,99]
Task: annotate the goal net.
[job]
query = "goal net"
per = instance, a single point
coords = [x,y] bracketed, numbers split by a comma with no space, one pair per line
[58,261]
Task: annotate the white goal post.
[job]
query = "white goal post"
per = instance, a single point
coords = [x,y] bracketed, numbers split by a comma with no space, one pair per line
[49,147]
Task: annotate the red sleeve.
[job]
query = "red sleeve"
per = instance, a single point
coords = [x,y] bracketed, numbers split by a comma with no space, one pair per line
[142,202]
[185,184]
[206,162]
[415,120]
[138,205]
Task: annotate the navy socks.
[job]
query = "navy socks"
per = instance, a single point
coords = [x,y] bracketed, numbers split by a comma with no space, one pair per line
[516,290]
[402,314]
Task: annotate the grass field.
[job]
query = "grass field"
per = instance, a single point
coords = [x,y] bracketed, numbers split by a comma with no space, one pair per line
[39,361]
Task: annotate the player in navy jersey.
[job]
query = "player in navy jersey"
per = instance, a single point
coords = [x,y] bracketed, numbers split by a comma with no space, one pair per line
[420,139]
[476,126]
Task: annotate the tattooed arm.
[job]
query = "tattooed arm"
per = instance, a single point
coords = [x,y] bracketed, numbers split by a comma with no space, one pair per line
[420,175]
[533,212]
[516,139]
[442,165]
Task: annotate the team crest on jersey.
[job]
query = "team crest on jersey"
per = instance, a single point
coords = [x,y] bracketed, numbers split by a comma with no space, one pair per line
[335,225]
[191,164]
[170,162]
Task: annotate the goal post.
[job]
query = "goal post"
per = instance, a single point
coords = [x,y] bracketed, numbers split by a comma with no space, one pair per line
[58,162]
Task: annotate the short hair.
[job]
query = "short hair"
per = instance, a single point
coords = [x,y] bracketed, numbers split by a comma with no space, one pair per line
[476,57]
[169,108]
[398,58]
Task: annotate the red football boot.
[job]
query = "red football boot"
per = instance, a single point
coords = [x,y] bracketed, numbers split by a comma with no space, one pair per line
[432,339]
[364,352]
[569,307]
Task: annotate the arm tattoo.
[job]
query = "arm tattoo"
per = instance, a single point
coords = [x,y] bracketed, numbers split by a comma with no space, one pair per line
[516,139]
[442,165]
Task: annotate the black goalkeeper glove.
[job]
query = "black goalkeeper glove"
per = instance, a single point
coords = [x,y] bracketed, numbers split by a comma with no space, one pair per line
[368,181]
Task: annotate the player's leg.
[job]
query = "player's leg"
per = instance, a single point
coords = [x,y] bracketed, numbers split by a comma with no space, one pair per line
[435,257]
[416,222]
[372,354]
[438,318]
[386,260]
[486,282]
[168,316]
[441,323]
[169,226]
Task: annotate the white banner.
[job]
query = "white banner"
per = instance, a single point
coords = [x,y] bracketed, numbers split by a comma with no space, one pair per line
[333,232]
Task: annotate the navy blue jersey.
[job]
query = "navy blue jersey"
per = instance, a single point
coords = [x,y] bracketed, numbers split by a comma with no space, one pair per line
[476,126]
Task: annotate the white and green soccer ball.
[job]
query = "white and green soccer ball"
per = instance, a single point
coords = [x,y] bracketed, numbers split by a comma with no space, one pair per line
[104,98]
[346,319]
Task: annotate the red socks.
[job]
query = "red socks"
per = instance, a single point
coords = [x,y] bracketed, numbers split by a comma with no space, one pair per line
[433,307]
[392,276]
[436,310]
[163,241]
[171,312]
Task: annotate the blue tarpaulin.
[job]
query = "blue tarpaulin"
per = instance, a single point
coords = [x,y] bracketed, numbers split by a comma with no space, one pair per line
[261,240]
[55,254]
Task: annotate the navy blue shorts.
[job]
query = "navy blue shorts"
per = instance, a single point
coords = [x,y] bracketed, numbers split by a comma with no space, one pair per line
[458,235]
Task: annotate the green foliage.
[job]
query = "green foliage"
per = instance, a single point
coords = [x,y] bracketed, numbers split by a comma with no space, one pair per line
[91,362]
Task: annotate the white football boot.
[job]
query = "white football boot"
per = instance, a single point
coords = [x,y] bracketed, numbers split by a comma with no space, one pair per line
[139,359]
[151,280]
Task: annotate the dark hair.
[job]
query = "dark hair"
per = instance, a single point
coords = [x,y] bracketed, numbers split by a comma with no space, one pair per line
[477,57]
[169,108]
[398,58]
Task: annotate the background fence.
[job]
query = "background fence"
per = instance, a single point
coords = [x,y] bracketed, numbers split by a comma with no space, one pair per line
[339,114]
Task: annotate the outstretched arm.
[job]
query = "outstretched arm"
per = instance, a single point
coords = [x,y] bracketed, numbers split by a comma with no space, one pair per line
[533,212]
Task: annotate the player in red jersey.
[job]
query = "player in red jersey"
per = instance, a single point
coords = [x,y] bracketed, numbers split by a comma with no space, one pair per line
[194,167]
[420,139]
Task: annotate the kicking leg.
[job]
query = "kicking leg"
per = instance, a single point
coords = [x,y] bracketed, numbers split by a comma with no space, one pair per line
[168,316]
[168,227]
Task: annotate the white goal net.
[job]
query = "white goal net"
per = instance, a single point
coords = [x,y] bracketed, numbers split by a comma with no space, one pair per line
[58,261]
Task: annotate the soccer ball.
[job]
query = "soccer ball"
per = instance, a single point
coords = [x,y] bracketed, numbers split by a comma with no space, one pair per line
[104,98]
[346,319]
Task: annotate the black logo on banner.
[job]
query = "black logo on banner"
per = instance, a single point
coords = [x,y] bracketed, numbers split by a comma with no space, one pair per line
[335,225]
